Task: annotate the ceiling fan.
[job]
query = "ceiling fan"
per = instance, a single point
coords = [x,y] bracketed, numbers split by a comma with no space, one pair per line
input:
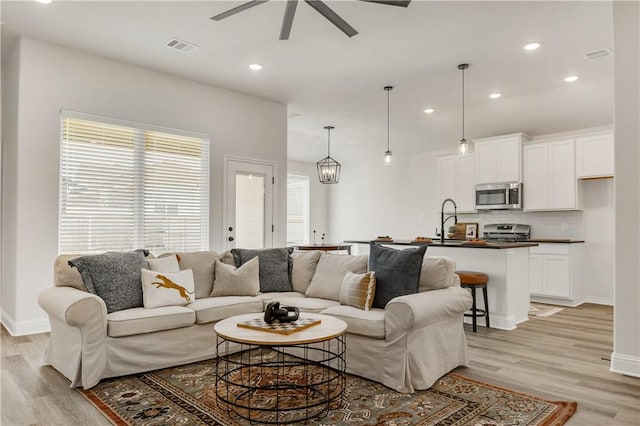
[318,5]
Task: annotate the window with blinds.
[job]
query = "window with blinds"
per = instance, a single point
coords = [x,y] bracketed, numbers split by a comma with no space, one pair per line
[297,209]
[126,185]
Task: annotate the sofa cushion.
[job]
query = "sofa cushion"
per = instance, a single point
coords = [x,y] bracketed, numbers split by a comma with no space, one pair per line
[232,281]
[133,321]
[65,275]
[202,263]
[277,295]
[164,264]
[115,277]
[437,272]
[167,288]
[366,323]
[304,266]
[308,304]
[212,309]
[358,290]
[327,281]
[275,266]
[397,271]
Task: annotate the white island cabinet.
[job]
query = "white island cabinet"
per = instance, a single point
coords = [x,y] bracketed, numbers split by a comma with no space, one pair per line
[508,271]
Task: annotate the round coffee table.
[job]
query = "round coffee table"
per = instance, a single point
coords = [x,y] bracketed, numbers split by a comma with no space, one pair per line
[272,378]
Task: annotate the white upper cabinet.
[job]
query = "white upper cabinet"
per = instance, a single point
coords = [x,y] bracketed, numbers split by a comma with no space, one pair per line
[549,176]
[498,159]
[456,181]
[594,156]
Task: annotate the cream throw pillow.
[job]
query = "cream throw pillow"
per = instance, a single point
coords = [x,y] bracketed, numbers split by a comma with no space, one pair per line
[304,266]
[167,288]
[232,281]
[327,280]
[164,264]
[358,290]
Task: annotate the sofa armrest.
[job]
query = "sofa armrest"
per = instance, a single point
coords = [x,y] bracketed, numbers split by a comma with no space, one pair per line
[73,307]
[426,308]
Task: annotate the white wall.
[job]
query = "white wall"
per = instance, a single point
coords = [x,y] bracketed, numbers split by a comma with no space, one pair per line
[53,78]
[318,200]
[626,45]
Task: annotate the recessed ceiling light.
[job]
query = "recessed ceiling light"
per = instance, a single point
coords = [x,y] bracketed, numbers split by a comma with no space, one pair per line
[532,46]
[44,1]
[495,95]
[429,110]
[571,78]
[255,67]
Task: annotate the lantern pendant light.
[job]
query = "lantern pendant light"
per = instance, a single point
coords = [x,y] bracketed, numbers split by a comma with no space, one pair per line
[462,145]
[328,168]
[387,153]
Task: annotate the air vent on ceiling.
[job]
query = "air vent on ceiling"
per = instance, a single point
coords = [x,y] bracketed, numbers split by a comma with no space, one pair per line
[294,115]
[181,45]
[597,54]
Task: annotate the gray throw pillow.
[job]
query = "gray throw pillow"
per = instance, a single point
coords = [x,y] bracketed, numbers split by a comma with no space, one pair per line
[114,277]
[397,271]
[275,267]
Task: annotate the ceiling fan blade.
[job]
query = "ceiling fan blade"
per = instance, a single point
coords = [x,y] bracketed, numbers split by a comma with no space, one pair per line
[287,20]
[401,3]
[237,9]
[333,17]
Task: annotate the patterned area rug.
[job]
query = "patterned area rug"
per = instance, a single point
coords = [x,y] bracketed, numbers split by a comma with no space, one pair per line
[186,395]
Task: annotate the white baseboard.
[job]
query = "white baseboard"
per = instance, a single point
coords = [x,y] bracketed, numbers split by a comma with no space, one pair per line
[23,328]
[599,300]
[625,364]
[501,323]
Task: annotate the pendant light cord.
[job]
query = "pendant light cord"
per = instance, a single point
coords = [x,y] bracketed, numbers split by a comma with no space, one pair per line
[463,104]
[388,119]
[328,142]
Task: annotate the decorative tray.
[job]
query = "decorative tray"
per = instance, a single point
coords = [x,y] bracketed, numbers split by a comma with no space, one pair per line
[475,243]
[384,239]
[422,240]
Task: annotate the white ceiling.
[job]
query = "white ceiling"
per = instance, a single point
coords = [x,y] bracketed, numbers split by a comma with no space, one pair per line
[329,78]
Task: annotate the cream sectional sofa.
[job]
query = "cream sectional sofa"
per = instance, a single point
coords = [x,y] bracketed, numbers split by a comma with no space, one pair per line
[407,346]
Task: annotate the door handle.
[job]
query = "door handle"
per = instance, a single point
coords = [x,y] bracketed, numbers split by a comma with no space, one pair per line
[230,238]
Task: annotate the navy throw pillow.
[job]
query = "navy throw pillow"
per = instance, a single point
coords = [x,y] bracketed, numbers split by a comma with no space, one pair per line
[397,271]
[274,267]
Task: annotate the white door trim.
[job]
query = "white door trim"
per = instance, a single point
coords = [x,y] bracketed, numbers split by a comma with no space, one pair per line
[225,188]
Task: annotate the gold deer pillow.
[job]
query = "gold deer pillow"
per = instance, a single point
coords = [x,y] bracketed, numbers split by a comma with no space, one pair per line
[167,288]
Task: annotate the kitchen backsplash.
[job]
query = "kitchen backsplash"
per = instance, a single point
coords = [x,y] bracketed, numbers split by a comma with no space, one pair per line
[562,224]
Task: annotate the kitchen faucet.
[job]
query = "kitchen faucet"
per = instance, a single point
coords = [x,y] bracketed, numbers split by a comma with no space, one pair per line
[442,218]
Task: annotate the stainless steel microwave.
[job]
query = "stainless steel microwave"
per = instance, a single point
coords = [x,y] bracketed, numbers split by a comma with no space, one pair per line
[499,196]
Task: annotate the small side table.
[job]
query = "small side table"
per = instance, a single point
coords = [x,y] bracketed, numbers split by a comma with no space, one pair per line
[326,247]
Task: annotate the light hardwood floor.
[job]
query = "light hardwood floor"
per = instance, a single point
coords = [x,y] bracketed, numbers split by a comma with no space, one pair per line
[558,357]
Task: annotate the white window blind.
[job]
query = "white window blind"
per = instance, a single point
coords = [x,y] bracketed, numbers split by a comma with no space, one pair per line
[297,209]
[125,186]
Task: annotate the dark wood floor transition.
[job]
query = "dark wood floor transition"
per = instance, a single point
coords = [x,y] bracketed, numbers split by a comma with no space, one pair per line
[564,356]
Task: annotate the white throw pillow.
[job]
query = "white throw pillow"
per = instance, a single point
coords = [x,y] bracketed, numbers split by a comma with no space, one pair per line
[164,264]
[327,281]
[167,288]
[232,281]
[358,290]
[437,272]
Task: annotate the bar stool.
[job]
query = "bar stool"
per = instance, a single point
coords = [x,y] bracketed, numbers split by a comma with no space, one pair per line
[473,280]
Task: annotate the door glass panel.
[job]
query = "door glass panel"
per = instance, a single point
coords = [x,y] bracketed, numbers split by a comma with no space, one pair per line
[249,211]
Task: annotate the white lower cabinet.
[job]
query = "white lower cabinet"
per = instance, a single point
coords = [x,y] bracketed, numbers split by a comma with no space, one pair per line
[555,273]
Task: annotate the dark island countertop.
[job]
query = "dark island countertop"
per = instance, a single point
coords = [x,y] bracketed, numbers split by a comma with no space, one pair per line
[554,240]
[450,243]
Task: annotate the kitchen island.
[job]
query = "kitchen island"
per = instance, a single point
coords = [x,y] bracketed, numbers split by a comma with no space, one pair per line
[506,264]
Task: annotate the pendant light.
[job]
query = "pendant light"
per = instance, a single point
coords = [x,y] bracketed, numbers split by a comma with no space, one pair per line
[462,146]
[387,153]
[328,168]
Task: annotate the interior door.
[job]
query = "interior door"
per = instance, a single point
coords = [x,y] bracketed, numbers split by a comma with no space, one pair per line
[249,204]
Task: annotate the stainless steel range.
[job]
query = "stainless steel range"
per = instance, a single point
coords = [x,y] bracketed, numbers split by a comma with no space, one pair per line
[506,232]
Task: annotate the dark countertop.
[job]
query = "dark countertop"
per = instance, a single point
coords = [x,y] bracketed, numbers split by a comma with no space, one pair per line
[451,243]
[554,240]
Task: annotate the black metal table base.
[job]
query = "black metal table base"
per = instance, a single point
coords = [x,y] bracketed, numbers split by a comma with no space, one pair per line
[281,384]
